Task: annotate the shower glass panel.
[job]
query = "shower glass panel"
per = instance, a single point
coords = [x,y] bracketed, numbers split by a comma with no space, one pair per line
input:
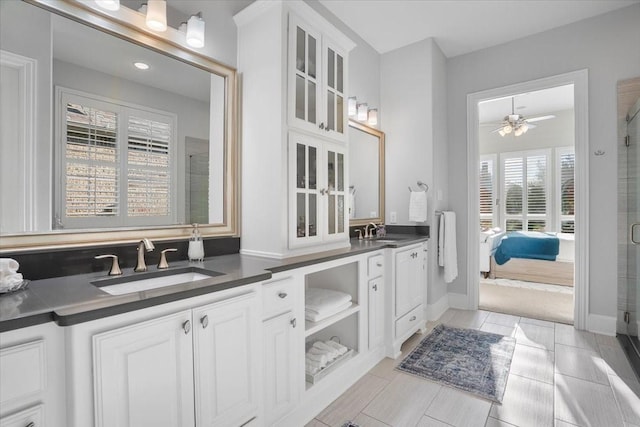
[633,224]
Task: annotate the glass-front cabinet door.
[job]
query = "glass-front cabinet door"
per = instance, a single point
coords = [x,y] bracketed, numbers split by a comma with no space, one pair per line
[334,90]
[317,205]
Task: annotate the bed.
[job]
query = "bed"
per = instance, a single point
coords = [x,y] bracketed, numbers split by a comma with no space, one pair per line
[533,256]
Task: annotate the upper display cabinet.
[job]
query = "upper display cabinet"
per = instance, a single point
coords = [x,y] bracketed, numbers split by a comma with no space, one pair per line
[317,79]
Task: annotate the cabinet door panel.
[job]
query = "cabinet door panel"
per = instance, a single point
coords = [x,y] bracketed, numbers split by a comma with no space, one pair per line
[144,374]
[225,361]
[408,291]
[334,69]
[376,312]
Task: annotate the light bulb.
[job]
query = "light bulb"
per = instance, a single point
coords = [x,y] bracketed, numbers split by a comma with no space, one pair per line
[362,111]
[524,127]
[352,106]
[195,31]
[157,15]
[507,129]
[373,117]
[518,132]
[109,4]
[502,132]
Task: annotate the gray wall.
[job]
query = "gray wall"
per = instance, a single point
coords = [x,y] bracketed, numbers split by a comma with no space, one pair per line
[607,46]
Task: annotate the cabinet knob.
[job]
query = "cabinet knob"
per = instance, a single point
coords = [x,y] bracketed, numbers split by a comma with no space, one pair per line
[293,322]
[375,288]
[379,264]
[186,326]
[204,321]
[412,318]
[282,295]
[321,125]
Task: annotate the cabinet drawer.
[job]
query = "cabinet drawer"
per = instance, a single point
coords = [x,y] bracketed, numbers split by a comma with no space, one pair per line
[30,417]
[23,371]
[278,296]
[376,265]
[409,320]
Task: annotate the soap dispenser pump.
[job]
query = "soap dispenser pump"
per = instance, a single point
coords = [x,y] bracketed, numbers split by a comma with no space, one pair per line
[196,246]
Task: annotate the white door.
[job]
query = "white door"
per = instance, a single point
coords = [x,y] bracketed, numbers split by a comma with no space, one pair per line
[225,361]
[376,312]
[280,365]
[143,374]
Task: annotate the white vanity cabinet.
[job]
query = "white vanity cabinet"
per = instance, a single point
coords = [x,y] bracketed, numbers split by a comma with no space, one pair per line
[282,337]
[32,389]
[376,286]
[316,75]
[405,295]
[168,365]
[318,191]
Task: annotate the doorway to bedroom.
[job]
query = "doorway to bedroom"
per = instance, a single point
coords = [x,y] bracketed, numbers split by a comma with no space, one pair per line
[526,193]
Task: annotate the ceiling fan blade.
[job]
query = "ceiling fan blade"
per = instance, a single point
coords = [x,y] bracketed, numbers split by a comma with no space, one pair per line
[531,126]
[538,119]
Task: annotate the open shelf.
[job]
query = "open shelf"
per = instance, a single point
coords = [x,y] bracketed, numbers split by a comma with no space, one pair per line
[311,328]
[311,380]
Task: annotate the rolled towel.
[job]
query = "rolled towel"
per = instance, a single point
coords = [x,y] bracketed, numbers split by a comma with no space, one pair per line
[9,265]
[322,346]
[339,347]
[320,358]
[11,282]
[311,366]
[318,352]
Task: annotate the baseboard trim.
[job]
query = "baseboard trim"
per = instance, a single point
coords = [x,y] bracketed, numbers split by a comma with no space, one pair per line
[437,309]
[605,325]
[459,301]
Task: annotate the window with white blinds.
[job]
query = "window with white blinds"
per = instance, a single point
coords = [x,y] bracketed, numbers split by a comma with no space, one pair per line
[525,190]
[116,164]
[566,161]
[488,191]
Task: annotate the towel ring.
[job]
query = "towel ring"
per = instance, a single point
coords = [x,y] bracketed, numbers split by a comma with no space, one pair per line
[422,185]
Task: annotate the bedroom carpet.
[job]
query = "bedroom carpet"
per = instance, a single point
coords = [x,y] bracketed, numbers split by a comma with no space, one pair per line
[532,303]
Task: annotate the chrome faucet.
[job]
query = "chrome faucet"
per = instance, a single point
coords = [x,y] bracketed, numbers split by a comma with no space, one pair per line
[144,245]
[367,234]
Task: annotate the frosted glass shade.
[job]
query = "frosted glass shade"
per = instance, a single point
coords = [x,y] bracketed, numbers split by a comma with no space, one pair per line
[109,4]
[373,117]
[363,110]
[157,15]
[352,106]
[195,31]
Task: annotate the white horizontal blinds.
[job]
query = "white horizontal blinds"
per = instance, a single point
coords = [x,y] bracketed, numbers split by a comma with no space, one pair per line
[91,155]
[525,189]
[513,196]
[566,177]
[148,167]
[487,191]
[537,180]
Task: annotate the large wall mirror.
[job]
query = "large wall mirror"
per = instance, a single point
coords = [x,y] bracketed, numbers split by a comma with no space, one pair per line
[366,174]
[94,149]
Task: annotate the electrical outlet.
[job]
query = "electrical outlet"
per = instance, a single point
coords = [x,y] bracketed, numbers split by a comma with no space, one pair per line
[393,217]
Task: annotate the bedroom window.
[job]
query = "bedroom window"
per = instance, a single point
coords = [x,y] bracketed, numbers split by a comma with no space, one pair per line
[116,163]
[525,190]
[488,191]
[565,171]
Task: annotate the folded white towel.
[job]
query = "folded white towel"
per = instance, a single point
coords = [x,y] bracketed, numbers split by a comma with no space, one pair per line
[320,358]
[316,317]
[320,352]
[418,206]
[339,347]
[321,300]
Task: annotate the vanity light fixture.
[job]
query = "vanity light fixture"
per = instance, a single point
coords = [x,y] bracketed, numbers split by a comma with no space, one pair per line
[363,110]
[373,117]
[141,65]
[112,5]
[352,106]
[157,15]
[195,31]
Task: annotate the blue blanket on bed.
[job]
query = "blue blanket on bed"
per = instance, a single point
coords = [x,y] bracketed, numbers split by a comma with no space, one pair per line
[527,244]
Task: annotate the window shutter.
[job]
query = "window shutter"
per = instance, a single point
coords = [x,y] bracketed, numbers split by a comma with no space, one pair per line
[148,177]
[91,162]
[487,192]
[536,191]
[567,192]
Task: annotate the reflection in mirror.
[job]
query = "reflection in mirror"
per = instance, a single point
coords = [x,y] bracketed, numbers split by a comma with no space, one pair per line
[128,147]
[366,174]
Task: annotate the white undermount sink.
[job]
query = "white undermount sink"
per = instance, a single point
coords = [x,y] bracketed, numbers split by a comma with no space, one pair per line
[127,285]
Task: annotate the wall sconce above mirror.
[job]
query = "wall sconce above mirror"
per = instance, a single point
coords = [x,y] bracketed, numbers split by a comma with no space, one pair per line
[126,149]
[366,174]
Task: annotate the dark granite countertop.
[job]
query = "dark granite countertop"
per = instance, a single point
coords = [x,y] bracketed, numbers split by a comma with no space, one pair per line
[73,299]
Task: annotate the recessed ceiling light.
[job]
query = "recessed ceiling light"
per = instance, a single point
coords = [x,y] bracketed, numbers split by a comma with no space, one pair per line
[141,65]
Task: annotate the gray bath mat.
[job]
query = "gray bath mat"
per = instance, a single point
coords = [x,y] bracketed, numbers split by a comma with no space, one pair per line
[474,361]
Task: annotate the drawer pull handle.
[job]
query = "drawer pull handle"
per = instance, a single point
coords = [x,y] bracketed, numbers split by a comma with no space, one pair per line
[204,321]
[379,264]
[293,322]
[412,318]
[375,288]
[31,424]
[282,295]
[186,326]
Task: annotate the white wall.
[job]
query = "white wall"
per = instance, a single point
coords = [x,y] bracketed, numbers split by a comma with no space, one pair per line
[607,46]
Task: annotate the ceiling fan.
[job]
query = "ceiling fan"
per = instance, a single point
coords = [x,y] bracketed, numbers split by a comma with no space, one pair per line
[518,124]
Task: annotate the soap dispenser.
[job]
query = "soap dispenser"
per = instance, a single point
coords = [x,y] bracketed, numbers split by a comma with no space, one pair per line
[196,246]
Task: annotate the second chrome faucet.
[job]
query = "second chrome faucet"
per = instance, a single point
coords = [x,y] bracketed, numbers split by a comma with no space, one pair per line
[145,245]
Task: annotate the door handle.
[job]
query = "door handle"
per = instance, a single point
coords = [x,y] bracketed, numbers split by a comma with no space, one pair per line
[633,233]
[293,322]
[186,326]
[204,321]
[375,288]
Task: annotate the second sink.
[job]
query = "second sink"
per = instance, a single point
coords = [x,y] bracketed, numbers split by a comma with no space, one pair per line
[130,284]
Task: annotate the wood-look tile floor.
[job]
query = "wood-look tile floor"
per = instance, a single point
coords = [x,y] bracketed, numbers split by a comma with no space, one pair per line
[559,377]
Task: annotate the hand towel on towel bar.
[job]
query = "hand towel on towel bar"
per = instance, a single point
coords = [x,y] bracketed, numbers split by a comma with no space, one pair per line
[418,206]
[447,253]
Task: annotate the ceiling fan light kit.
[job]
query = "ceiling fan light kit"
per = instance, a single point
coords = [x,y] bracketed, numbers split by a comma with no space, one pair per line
[517,124]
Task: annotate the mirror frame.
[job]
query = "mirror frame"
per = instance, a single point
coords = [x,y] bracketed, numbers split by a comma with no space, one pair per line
[110,24]
[381,178]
